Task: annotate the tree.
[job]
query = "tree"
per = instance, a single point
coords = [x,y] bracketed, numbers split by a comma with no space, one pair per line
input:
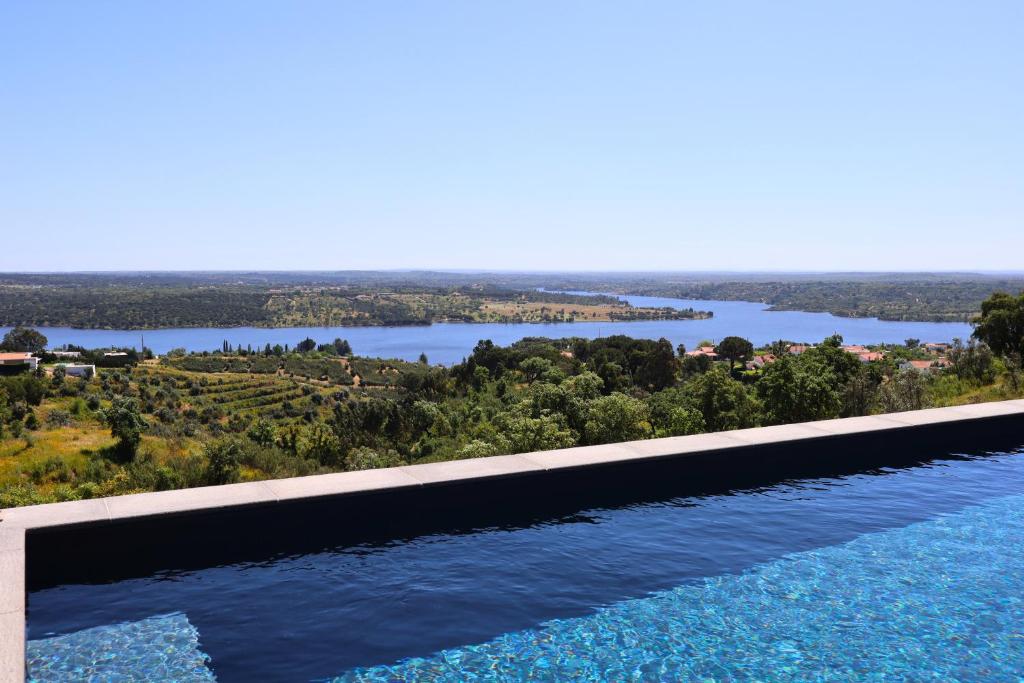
[223,459]
[364,458]
[306,345]
[263,433]
[736,349]
[843,364]
[1001,324]
[126,425]
[722,401]
[907,390]
[792,390]
[342,347]
[319,443]
[518,432]
[423,359]
[617,417]
[23,339]
[779,347]
[671,417]
[658,370]
[860,394]
[972,361]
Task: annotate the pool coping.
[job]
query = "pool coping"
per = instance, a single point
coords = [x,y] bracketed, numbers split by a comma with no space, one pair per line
[17,523]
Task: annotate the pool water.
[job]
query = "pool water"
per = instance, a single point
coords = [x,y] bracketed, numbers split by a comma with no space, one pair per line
[913,573]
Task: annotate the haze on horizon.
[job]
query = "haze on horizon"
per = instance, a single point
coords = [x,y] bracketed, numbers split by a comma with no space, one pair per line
[537,136]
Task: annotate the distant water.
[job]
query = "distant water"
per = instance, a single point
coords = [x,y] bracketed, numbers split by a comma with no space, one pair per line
[449,343]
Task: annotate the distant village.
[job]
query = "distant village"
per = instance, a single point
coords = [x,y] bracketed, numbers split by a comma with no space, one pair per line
[68,361]
[937,351]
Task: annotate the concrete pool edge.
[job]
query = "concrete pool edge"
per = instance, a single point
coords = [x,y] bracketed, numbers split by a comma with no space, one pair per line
[16,523]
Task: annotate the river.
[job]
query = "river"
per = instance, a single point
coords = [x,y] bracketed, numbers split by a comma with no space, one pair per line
[449,343]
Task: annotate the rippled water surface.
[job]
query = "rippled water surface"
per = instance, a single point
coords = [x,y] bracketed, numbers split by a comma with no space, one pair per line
[894,574]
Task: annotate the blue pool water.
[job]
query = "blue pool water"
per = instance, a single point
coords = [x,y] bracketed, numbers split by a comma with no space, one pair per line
[911,573]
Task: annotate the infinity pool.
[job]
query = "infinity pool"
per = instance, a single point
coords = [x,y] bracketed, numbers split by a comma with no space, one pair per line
[902,573]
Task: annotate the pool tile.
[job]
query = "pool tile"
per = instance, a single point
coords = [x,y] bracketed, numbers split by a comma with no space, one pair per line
[683,445]
[582,456]
[341,483]
[188,500]
[12,647]
[57,514]
[12,538]
[483,468]
[856,425]
[991,409]
[12,581]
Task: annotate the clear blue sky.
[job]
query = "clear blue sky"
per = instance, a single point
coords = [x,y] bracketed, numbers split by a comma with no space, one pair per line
[515,135]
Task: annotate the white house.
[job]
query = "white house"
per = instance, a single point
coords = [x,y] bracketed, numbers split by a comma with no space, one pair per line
[19,358]
[78,369]
[66,354]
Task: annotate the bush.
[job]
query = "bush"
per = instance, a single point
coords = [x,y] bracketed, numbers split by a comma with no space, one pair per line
[59,418]
[368,459]
[222,462]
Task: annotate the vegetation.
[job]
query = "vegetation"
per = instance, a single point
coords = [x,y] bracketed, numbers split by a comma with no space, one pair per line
[111,303]
[238,415]
[149,300]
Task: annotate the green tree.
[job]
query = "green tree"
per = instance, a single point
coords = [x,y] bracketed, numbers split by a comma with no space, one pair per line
[306,345]
[223,458]
[735,349]
[126,425]
[23,339]
[262,433]
[519,432]
[906,390]
[1001,324]
[670,415]
[972,361]
[829,353]
[798,391]
[617,417]
[342,347]
[364,458]
[723,402]
[318,442]
[659,368]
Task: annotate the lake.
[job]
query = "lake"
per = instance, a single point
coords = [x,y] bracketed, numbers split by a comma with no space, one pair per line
[449,343]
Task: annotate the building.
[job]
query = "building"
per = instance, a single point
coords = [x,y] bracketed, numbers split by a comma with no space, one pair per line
[870,356]
[936,347]
[924,365]
[114,354]
[78,369]
[15,359]
[67,354]
[708,351]
[855,349]
[758,362]
[797,349]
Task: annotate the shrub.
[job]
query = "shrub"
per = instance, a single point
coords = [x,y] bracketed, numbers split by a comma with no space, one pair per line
[222,462]
[59,418]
